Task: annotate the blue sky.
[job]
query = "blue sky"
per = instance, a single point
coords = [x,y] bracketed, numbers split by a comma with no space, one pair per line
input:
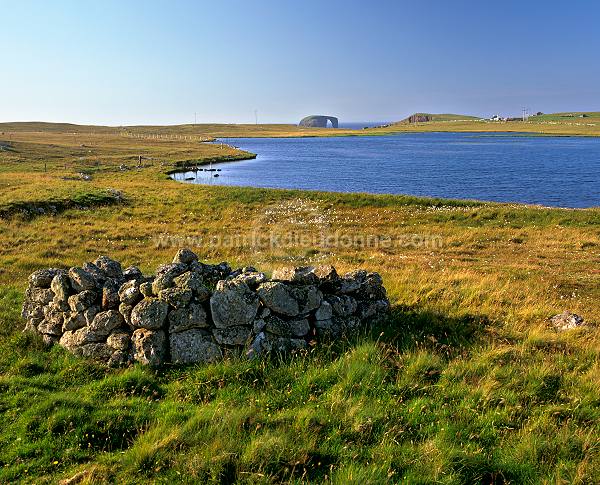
[154,62]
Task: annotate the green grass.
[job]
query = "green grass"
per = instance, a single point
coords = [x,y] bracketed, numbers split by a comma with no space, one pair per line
[424,399]
[83,200]
[435,117]
[554,123]
[582,116]
[465,383]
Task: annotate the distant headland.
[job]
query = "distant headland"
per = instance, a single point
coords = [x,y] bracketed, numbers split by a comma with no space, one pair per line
[318,121]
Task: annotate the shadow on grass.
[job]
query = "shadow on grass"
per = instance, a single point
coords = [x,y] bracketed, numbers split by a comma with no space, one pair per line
[407,327]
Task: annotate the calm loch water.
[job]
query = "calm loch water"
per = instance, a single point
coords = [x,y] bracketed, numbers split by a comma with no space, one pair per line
[552,171]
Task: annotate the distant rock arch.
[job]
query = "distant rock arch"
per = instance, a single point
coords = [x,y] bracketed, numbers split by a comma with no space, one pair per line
[318,121]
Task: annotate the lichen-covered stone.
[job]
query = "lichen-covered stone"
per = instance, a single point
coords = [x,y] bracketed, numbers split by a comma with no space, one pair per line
[252,279]
[327,329]
[98,351]
[289,300]
[52,324]
[265,343]
[566,321]
[279,298]
[133,273]
[105,322]
[176,297]
[73,321]
[165,276]
[111,268]
[370,309]
[98,275]
[90,310]
[185,256]
[125,310]
[150,313]
[129,292]
[41,296]
[43,278]
[110,295]
[343,305]
[81,301]
[193,346]
[309,298]
[34,312]
[49,339]
[287,328]
[90,313]
[119,341]
[232,335]
[351,282]
[81,280]
[193,281]
[186,318]
[61,287]
[233,304]
[363,285]
[327,276]
[75,338]
[303,275]
[149,346]
[325,311]
[146,289]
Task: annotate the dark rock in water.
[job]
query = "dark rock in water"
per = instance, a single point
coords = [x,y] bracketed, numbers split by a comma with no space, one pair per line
[318,121]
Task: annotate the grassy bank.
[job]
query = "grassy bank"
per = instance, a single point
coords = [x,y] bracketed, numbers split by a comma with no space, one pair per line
[567,124]
[466,382]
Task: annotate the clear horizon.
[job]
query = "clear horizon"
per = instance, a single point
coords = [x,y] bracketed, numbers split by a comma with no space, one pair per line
[172,63]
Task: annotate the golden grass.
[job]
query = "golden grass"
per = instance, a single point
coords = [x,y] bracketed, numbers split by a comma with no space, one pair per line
[469,383]
[507,261]
[557,124]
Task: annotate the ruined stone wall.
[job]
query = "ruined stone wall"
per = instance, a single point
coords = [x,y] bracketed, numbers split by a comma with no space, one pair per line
[192,312]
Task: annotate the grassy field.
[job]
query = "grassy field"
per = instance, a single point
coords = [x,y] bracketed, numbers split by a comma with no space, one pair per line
[465,383]
[569,124]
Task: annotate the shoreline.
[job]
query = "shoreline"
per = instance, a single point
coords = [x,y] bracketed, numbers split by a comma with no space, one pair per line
[466,201]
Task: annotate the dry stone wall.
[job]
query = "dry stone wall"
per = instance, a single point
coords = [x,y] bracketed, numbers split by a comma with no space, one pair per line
[191,312]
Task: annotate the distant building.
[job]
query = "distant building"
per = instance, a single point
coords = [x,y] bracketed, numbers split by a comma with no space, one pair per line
[496,118]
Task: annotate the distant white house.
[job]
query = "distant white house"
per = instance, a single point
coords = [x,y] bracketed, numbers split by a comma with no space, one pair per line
[496,118]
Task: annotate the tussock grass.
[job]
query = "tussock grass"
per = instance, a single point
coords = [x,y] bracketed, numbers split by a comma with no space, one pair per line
[464,383]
